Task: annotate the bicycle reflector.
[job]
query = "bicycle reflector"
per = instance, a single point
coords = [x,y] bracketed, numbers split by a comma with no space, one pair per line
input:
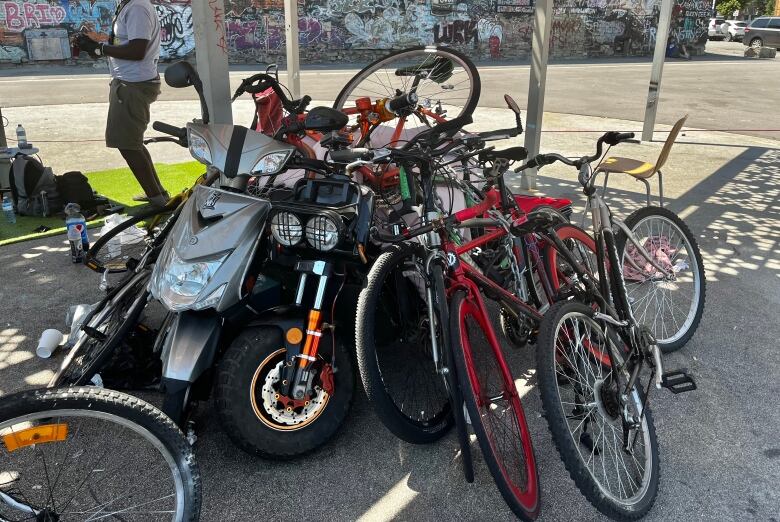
[35,435]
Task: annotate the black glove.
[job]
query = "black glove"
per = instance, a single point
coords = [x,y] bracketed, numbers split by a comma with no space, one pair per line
[88,45]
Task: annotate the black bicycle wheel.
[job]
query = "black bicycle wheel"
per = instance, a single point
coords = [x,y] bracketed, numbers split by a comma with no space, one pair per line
[448,87]
[671,307]
[93,454]
[393,348]
[115,250]
[581,401]
[103,333]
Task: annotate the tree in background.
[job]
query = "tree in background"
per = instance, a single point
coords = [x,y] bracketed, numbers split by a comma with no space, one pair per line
[726,8]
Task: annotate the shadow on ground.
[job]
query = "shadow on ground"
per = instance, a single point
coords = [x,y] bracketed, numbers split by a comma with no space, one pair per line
[719,447]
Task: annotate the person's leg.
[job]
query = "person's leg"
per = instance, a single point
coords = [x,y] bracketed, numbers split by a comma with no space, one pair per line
[128,117]
[142,168]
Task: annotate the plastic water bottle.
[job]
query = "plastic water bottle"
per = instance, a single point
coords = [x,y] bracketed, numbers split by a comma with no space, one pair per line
[74,219]
[76,248]
[21,137]
[8,210]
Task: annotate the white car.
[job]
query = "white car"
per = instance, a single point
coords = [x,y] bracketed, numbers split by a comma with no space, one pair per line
[713,29]
[733,30]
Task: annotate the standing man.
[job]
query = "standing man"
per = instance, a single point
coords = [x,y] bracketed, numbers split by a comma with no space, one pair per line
[133,49]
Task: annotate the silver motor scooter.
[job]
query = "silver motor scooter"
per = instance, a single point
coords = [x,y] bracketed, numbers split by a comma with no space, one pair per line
[206,275]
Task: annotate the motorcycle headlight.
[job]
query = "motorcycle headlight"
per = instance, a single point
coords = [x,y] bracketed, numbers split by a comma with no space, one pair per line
[322,233]
[199,148]
[271,163]
[180,283]
[286,228]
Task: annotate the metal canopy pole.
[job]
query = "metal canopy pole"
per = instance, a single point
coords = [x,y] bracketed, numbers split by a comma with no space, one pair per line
[293,52]
[661,38]
[211,54]
[540,52]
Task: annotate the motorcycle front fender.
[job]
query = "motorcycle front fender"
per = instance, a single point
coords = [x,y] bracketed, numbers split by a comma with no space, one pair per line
[190,346]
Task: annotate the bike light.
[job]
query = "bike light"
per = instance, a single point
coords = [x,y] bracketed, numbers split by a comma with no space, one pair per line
[271,163]
[322,233]
[286,228]
[179,283]
[199,148]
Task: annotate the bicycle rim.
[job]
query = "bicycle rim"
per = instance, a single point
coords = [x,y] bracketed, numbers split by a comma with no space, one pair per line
[588,401]
[79,472]
[495,409]
[450,88]
[668,308]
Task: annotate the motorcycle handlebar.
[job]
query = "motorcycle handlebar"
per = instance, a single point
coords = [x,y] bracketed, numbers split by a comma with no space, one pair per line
[176,132]
[350,155]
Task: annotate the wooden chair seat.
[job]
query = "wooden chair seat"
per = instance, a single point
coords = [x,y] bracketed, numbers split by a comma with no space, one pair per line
[636,168]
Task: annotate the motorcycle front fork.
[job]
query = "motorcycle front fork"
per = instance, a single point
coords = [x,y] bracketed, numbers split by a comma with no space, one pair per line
[298,374]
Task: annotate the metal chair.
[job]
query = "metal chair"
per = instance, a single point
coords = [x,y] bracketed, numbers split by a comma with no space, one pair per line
[641,170]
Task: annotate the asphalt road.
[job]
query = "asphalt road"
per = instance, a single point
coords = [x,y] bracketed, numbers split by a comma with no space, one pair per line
[721,90]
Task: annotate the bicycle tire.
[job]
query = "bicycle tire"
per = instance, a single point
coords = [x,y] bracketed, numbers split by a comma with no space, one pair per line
[525,503]
[447,52]
[567,232]
[133,417]
[90,353]
[552,380]
[98,257]
[380,394]
[636,221]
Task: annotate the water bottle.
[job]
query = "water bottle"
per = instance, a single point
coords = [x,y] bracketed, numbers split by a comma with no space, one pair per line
[21,137]
[74,218]
[8,210]
[76,248]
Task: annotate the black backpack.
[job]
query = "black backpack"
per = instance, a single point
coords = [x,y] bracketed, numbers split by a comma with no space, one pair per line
[75,188]
[29,180]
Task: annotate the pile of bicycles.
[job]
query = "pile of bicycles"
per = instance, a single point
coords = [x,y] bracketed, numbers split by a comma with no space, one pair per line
[253,274]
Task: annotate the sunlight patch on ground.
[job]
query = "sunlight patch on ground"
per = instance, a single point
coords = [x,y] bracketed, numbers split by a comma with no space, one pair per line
[40,378]
[391,504]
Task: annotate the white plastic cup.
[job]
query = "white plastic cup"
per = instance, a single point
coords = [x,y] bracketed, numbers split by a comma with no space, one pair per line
[50,340]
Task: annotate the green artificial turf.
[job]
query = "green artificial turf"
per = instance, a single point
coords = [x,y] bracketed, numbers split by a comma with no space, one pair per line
[118,185]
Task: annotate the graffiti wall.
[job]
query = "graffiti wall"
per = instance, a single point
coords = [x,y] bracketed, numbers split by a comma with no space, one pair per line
[352,30]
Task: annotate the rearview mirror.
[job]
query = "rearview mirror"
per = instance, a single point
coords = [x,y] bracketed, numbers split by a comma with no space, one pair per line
[512,104]
[181,74]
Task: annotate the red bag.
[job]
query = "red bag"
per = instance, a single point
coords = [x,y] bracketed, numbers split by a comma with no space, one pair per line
[268,112]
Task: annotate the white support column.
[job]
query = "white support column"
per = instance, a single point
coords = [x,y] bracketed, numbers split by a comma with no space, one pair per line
[293,52]
[540,52]
[211,53]
[661,38]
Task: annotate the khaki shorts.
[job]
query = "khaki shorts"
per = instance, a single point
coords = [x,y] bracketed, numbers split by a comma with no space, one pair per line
[128,113]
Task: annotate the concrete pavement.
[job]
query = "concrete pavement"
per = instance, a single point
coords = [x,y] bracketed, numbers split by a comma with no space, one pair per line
[720,455]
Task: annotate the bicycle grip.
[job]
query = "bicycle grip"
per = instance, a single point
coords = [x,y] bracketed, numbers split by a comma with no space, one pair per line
[491,198]
[350,155]
[177,132]
[614,137]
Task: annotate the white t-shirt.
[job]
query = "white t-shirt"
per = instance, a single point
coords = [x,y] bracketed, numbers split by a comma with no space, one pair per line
[137,21]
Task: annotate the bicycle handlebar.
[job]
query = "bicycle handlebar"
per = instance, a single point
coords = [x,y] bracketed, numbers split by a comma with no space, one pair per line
[611,138]
[492,197]
[265,81]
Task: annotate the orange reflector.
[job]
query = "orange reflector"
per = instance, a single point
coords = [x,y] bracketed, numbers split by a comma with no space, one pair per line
[294,335]
[36,435]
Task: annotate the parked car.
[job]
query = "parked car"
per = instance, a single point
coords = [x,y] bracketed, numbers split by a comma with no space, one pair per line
[733,30]
[713,30]
[763,31]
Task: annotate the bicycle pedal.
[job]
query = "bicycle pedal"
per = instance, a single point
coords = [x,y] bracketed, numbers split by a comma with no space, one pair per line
[678,381]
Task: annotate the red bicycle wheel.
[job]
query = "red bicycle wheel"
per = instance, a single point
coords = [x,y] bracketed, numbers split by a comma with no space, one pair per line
[582,246]
[494,407]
